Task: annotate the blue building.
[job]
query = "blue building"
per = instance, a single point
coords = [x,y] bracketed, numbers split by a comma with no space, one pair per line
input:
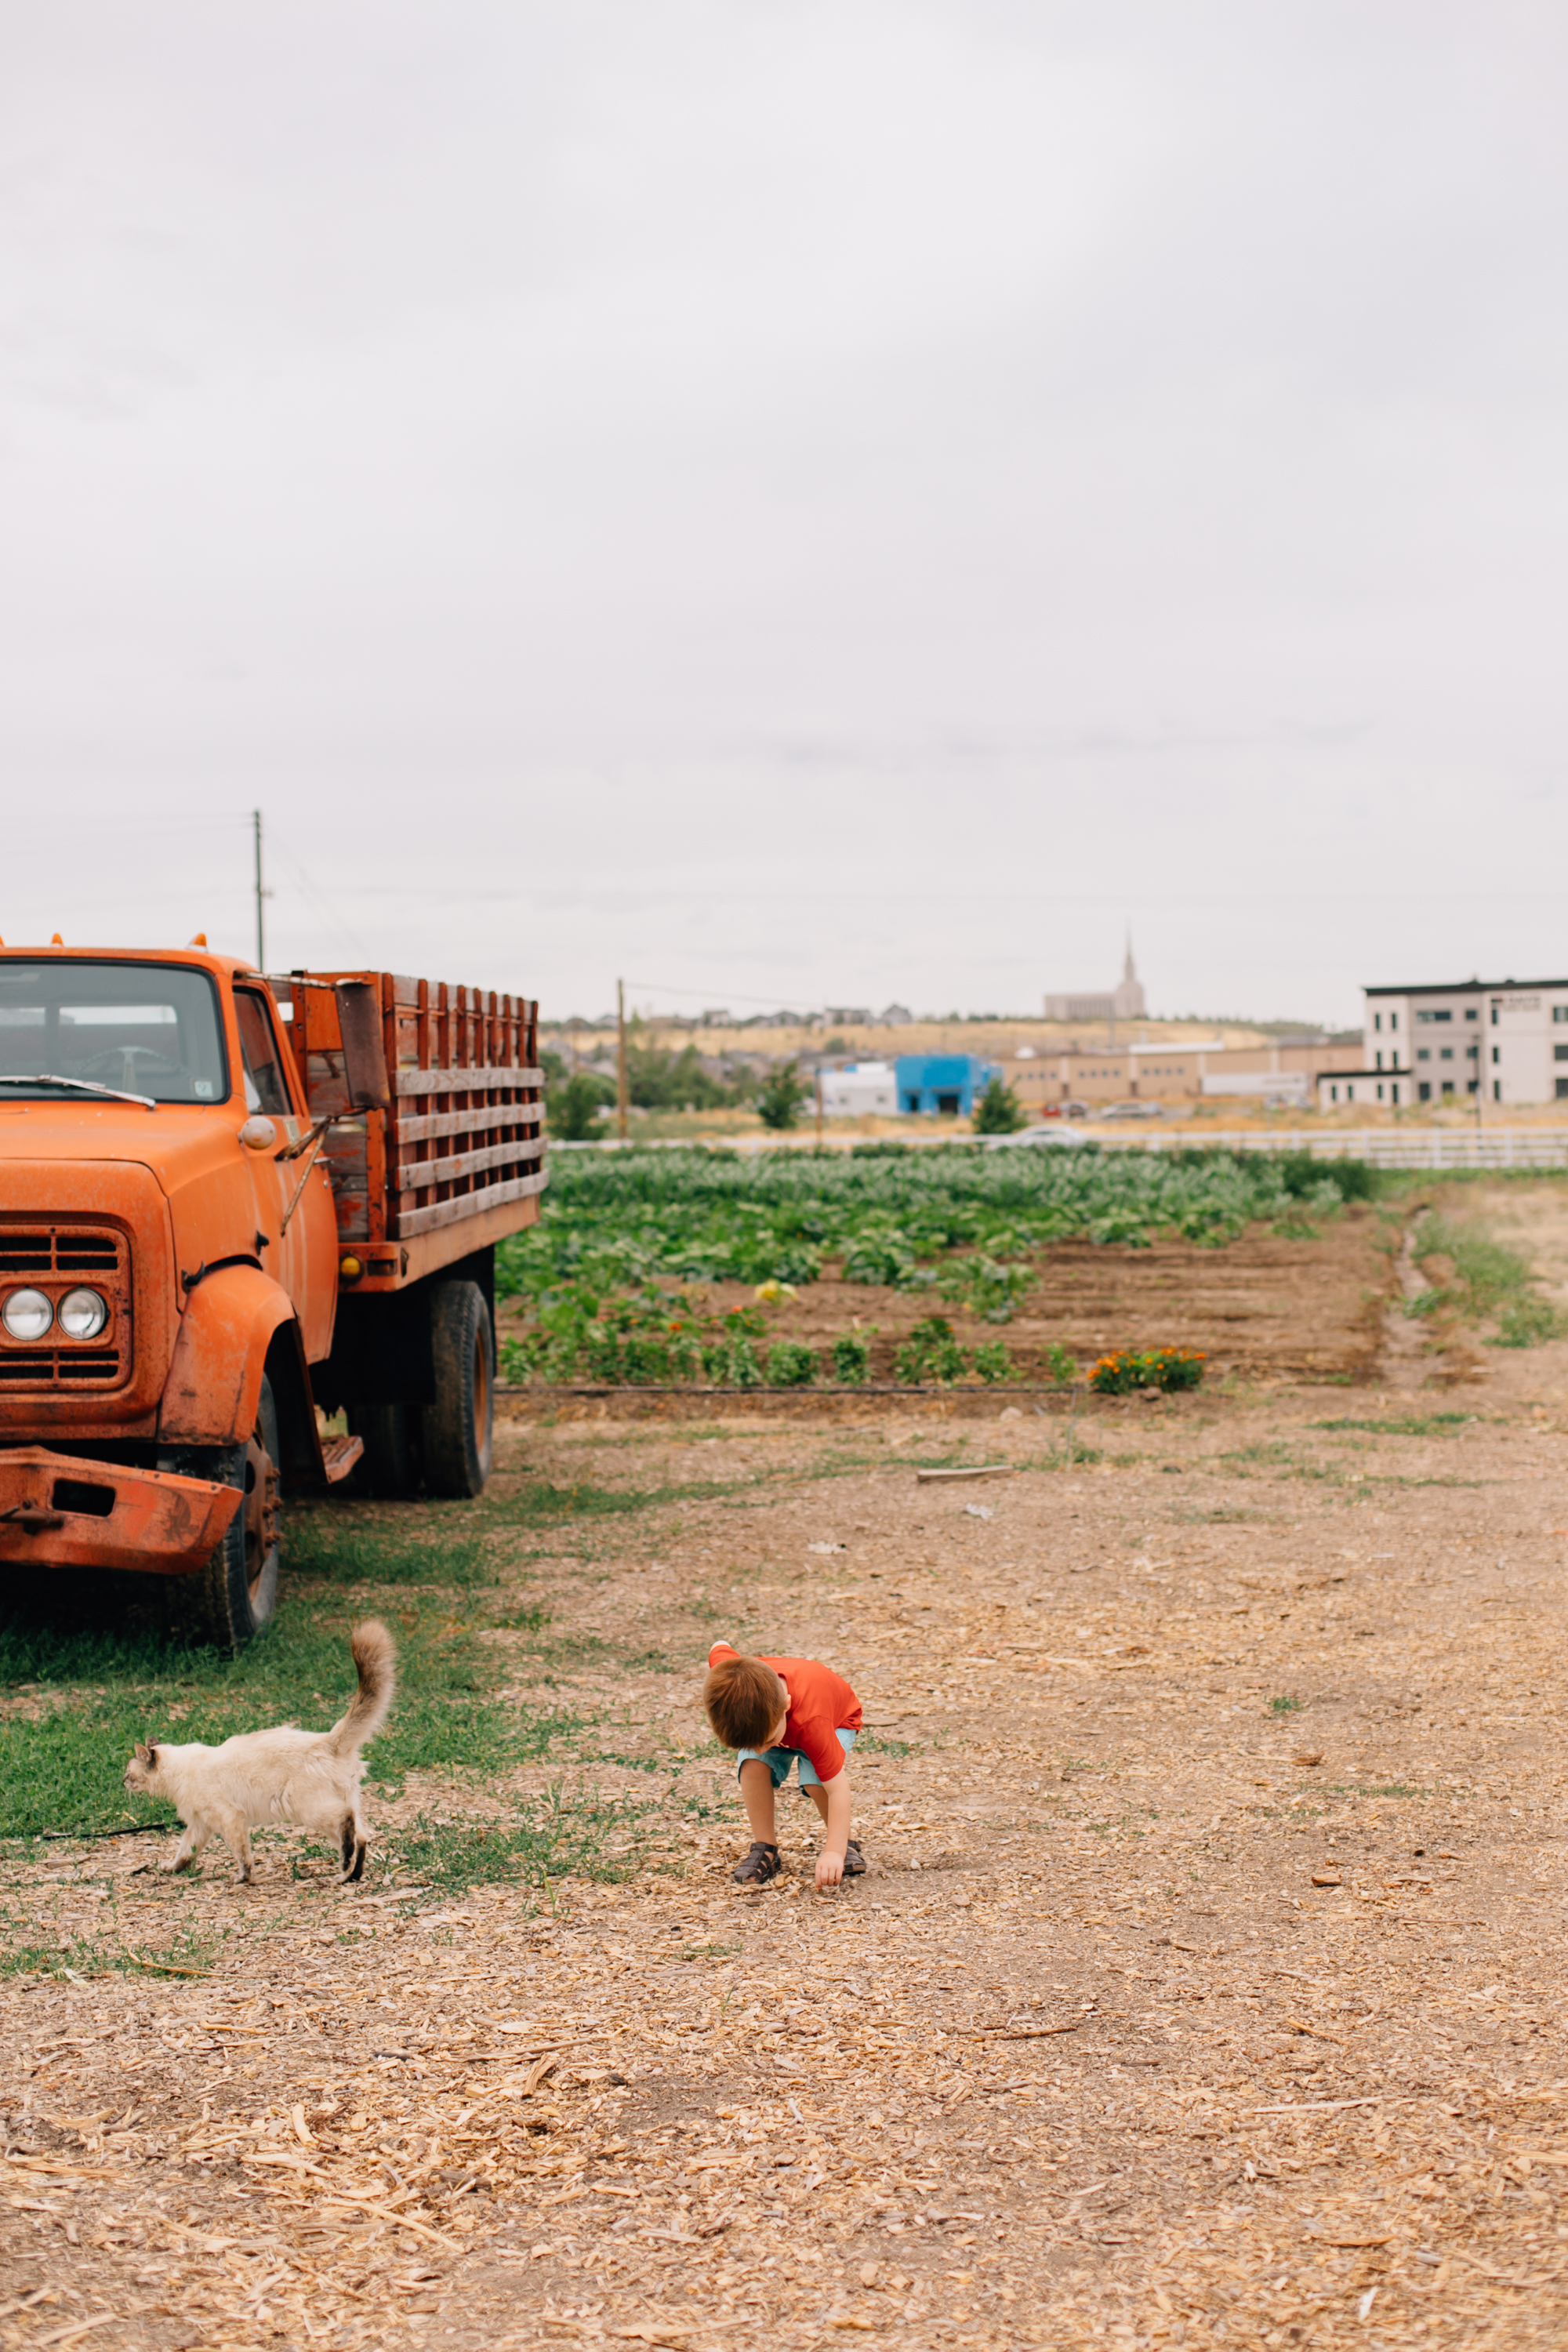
[943,1085]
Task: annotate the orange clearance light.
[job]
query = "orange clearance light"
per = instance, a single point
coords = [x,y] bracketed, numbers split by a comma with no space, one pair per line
[55,940]
[200,940]
[349,1268]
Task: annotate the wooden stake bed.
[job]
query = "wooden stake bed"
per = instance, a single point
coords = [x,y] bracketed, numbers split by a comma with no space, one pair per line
[457,1162]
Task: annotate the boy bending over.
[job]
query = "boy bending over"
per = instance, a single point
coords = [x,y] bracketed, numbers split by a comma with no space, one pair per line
[775,1711]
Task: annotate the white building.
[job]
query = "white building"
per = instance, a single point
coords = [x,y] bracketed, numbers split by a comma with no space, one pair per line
[1507,1040]
[1123,1002]
[859,1090]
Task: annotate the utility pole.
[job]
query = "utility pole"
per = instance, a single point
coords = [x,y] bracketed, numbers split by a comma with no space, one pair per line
[818,1076]
[260,894]
[621,1059]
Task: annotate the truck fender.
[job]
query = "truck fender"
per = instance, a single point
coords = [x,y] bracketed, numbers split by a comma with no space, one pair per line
[213,1389]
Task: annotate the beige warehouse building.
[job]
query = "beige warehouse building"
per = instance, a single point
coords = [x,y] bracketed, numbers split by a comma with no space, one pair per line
[1286,1072]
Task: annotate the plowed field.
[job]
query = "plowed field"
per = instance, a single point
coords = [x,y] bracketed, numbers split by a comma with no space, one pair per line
[1261,1304]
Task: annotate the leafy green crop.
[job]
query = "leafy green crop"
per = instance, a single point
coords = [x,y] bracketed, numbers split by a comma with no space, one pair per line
[607,1274]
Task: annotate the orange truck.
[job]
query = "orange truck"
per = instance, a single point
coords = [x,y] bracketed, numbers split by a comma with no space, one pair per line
[231,1207]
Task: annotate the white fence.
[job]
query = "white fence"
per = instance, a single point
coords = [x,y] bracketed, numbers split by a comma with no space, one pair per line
[1433,1146]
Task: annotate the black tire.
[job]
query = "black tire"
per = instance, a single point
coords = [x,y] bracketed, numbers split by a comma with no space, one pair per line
[459,1425]
[227,1603]
[389,1466]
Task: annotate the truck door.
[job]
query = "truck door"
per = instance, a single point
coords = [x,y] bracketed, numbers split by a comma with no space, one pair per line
[301,1255]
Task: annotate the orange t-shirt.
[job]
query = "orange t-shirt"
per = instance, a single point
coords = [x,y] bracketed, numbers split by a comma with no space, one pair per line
[821,1704]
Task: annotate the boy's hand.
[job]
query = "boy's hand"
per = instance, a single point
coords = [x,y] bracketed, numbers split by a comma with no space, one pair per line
[829,1869]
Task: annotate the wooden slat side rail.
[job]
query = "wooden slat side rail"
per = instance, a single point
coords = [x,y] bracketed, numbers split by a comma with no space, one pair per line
[472,1081]
[463,1140]
[468,1204]
[414,1175]
[429,1126]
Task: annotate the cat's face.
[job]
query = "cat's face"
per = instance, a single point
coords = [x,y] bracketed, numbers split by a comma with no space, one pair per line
[142,1772]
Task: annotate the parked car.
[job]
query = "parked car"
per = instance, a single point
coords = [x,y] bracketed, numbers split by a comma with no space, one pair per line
[1059,1136]
[1133,1110]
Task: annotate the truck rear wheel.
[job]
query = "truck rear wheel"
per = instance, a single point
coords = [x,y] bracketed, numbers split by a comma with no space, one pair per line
[228,1601]
[459,1425]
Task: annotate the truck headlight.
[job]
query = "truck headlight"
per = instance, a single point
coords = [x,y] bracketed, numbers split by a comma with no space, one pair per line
[26,1315]
[83,1314]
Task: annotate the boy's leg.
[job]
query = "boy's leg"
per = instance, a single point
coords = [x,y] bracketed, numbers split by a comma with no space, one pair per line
[757,1796]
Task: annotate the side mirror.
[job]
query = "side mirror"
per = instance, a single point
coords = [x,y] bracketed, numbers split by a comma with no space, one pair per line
[364,1051]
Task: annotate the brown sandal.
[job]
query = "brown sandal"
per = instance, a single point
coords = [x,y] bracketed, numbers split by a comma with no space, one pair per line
[854,1860]
[760,1865]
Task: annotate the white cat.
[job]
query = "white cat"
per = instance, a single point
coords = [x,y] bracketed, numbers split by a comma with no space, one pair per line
[286,1775]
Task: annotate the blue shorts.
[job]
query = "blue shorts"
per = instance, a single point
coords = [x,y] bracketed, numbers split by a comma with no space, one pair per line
[779,1759]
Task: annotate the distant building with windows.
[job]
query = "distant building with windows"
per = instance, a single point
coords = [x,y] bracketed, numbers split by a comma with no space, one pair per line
[859,1090]
[1505,1040]
[941,1085]
[1285,1071]
[1123,1002]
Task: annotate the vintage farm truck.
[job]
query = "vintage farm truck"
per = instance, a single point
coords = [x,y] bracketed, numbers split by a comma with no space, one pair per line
[232,1206]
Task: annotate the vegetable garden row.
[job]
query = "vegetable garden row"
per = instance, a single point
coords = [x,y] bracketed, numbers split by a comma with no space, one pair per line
[614,1283]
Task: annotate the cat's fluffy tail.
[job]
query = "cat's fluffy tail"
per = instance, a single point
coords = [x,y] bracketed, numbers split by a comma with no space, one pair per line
[376,1660]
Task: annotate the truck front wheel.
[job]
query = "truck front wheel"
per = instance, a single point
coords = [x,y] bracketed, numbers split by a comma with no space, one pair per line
[228,1601]
[458,1426]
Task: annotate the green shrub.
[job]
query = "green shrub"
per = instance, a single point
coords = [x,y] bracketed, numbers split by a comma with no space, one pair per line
[932,1353]
[851,1360]
[572,1109]
[999,1111]
[790,1365]
[992,1363]
[1062,1364]
[782,1092]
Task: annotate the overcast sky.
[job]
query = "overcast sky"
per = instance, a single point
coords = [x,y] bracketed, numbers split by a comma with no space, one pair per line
[790,499]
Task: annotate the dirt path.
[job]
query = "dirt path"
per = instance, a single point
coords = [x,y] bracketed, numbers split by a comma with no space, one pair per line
[1208,1990]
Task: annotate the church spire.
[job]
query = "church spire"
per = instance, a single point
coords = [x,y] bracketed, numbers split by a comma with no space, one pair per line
[1128,970]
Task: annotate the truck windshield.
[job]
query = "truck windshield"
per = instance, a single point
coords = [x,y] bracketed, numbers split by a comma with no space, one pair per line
[147,1028]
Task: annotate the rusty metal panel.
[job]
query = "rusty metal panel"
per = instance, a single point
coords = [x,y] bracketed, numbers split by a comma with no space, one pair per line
[56,1512]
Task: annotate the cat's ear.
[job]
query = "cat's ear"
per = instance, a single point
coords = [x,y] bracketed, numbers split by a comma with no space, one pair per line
[145,1755]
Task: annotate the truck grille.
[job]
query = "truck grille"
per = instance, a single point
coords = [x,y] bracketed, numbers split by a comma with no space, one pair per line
[55,1259]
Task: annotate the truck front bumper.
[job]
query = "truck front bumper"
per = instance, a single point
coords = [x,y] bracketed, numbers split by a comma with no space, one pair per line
[58,1512]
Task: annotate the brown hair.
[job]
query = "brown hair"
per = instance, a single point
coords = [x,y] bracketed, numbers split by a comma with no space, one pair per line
[743,1699]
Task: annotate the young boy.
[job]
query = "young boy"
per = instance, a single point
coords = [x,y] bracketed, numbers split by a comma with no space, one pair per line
[775,1711]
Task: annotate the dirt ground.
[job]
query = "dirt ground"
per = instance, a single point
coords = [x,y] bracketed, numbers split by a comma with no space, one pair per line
[1206,1987]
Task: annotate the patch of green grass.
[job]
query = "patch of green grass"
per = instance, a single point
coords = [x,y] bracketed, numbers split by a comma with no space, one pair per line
[187,1955]
[876,1743]
[1286,1705]
[1365,1789]
[524,1621]
[344,1547]
[541,1505]
[96,1689]
[1492,1282]
[560,1840]
[1418,1425]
